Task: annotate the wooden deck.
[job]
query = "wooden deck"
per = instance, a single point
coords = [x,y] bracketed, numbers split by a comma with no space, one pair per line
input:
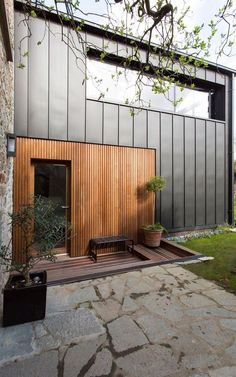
[68,270]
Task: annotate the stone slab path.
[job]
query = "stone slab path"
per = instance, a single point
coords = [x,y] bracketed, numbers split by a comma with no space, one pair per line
[156,322]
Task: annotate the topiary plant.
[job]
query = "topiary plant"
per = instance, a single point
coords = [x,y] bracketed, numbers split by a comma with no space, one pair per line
[156,183]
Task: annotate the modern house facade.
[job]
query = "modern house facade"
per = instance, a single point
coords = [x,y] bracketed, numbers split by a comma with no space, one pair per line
[94,157]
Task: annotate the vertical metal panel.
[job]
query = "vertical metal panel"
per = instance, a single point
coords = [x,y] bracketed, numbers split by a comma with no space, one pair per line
[220,78]
[124,50]
[210,173]
[166,170]
[38,79]
[140,129]
[57,84]
[111,119]
[125,126]
[94,122]
[153,129]
[210,75]
[110,46]
[94,41]
[178,172]
[226,173]
[21,76]
[201,73]
[220,172]
[153,132]
[76,92]
[189,172]
[200,172]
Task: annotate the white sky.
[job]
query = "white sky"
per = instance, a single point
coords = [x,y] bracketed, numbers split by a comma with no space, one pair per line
[201,12]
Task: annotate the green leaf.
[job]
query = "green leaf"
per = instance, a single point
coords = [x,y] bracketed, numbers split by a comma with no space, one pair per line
[33,13]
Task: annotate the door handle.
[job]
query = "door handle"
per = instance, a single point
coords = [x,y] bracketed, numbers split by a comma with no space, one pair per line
[65,207]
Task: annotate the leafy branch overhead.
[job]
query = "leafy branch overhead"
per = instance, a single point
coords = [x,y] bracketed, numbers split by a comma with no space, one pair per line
[161,45]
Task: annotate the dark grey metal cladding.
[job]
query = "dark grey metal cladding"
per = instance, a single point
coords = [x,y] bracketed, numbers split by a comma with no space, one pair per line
[76,92]
[94,122]
[189,172]
[124,50]
[200,73]
[210,75]
[125,126]
[153,122]
[200,172]
[210,173]
[58,84]
[166,170]
[220,170]
[94,41]
[140,128]
[21,76]
[178,172]
[110,46]
[220,79]
[38,79]
[111,122]
[153,130]
[190,153]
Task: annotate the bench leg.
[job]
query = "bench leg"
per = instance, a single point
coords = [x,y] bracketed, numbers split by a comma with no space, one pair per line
[93,254]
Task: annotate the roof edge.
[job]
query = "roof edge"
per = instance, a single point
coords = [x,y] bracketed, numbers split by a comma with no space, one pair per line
[96,29]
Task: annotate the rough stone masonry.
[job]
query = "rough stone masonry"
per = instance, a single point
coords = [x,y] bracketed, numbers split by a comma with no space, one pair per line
[6,125]
[156,322]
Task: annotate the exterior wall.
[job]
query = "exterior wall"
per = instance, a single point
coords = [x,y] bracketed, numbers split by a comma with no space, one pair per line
[106,190]
[191,152]
[6,125]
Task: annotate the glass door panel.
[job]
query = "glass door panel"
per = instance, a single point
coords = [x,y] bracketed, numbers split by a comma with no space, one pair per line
[51,181]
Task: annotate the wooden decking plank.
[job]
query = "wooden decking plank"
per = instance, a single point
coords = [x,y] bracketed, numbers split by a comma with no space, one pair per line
[151,255]
[178,249]
[93,267]
[166,254]
[77,269]
[85,261]
[88,274]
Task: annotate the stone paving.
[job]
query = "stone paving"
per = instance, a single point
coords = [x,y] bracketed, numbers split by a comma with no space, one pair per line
[156,322]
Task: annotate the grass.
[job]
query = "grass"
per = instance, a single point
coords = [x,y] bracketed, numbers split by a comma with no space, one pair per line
[235,209]
[222,269]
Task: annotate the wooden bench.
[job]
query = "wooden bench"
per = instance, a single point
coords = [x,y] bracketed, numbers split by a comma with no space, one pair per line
[102,242]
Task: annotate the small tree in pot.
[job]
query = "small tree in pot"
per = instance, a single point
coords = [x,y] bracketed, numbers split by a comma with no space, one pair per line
[24,296]
[153,232]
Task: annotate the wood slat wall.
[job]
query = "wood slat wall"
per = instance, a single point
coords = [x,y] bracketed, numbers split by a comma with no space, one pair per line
[107,196]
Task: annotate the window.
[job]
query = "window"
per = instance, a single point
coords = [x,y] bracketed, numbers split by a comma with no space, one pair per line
[108,82]
[114,84]
[194,102]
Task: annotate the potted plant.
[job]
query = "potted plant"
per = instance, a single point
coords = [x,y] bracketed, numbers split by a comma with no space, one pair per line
[24,295]
[153,232]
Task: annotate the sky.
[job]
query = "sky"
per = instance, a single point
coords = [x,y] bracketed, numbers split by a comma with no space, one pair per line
[201,12]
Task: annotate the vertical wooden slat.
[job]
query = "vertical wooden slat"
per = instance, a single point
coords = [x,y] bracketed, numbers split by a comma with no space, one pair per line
[106,188]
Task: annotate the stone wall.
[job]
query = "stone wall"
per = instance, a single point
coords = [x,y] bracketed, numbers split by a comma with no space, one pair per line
[6,125]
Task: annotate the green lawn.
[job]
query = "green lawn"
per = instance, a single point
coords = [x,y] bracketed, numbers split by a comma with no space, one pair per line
[223,268]
[235,209]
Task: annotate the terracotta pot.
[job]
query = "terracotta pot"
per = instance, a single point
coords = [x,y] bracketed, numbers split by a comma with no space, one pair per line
[152,238]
